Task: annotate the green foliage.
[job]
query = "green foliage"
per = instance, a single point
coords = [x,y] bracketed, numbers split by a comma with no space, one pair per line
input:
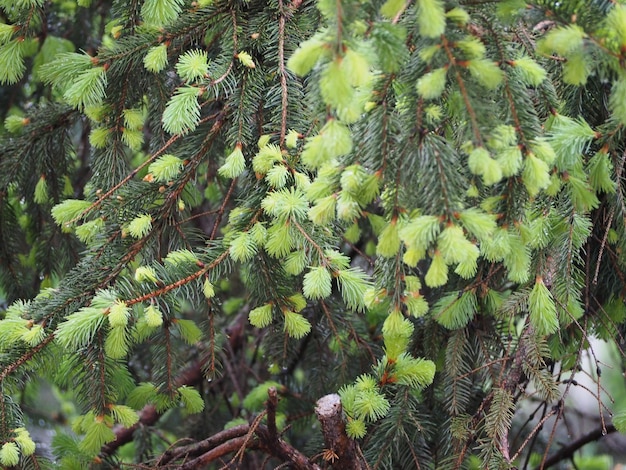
[156,58]
[182,113]
[418,205]
[541,308]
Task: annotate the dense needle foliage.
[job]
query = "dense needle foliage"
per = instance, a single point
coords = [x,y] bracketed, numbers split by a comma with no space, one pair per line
[213,214]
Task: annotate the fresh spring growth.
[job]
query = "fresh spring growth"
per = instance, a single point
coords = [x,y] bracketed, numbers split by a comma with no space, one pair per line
[6,32]
[510,160]
[536,174]
[24,441]
[117,343]
[431,85]
[157,13]
[472,47]
[208,289]
[617,100]
[517,260]
[140,226]
[246,59]
[455,247]
[133,138]
[480,224]
[193,65]
[277,176]
[431,18]
[191,399]
[286,203]
[99,137]
[242,247]
[153,316]
[296,326]
[307,55]
[562,40]
[397,332]
[156,58]
[165,168]
[616,21]
[486,72]
[266,158]
[119,313]
[421,231]
[317,283]
[182,112]
[264,139]
[600,170]
[261,317]
[323,212]
[455,310]
[145,273]
[291,139]
[576,70]
[333,140]
[258,232]
[88,89]
[41,191]
[353,283]
[413,255]
[345,87]
[235,163]
[531,72]
[388,240]
[295,263]
[34,335]
[188,330]
[458,15]
[97,433]
[124,415]
[133,118]
[9,454]
[437,274]
[70,210]
[280,240]
[413,372]
[415,303]
[392,8]
[541,309]
[14,124]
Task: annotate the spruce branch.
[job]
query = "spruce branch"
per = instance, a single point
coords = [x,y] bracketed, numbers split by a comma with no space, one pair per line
[283,72]
[148,416]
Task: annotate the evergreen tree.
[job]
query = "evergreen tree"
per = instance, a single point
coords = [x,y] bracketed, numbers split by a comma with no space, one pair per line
[348,234]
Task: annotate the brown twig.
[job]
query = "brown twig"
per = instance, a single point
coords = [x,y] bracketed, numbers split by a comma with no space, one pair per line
[569,450]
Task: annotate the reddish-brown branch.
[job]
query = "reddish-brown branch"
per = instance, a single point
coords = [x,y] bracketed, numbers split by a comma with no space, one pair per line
[237,439]
[204,446]
[226,448]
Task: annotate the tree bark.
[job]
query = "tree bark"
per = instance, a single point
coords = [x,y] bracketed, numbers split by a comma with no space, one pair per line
[346,453]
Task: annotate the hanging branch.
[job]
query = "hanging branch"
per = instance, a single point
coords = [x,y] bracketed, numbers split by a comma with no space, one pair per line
[568,451]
